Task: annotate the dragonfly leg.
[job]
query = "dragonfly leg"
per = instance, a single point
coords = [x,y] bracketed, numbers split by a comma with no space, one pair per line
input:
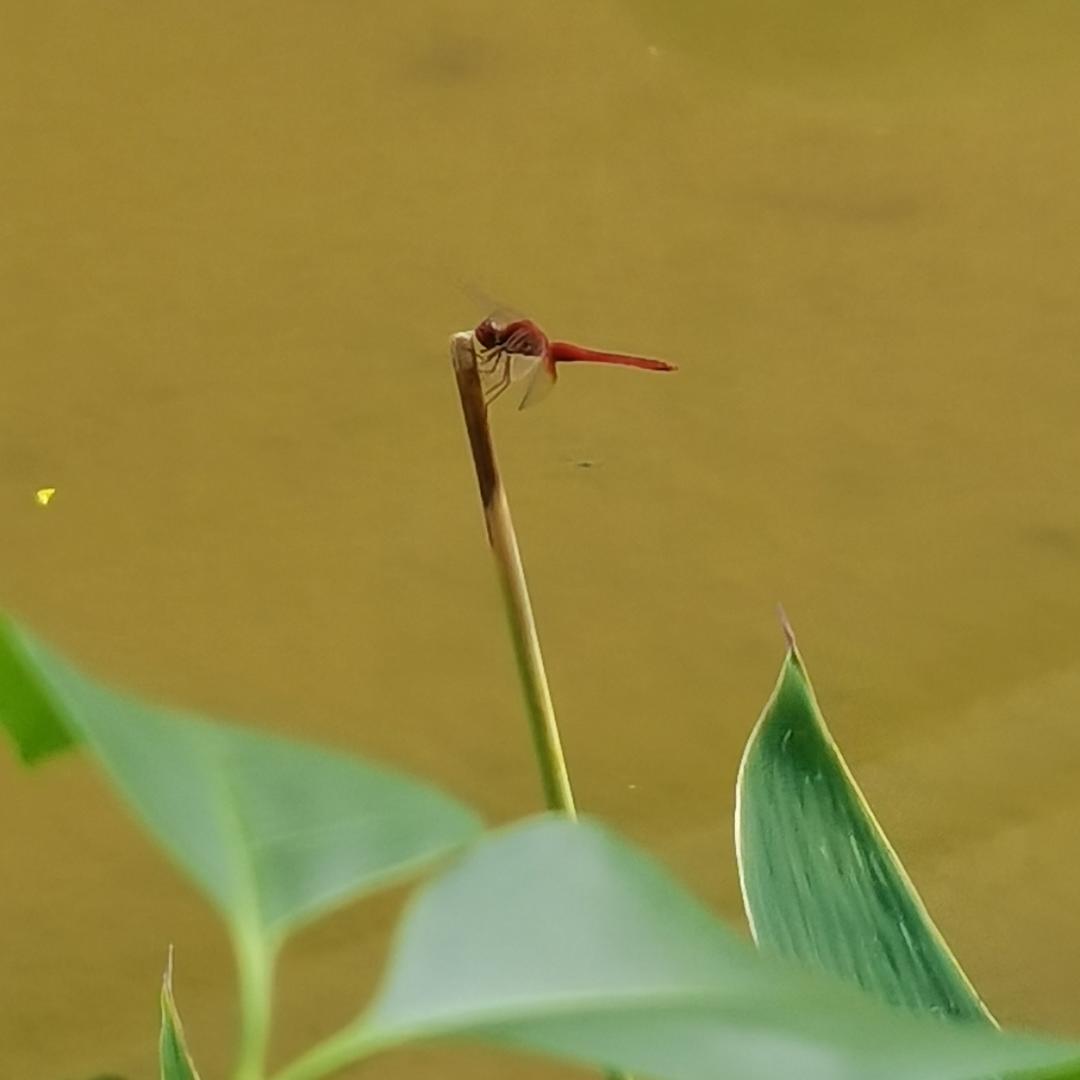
[497,388]
[487,360]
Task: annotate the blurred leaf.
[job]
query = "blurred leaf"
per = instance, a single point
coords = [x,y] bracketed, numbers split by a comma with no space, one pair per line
[176,1063]
[25,710]
[821,883]
[559,938]
[274,831]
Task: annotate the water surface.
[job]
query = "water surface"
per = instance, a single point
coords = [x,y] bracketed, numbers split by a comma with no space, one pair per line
[235,239]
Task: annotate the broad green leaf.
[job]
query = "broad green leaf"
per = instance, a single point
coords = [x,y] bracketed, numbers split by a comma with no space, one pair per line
[274,831]
[30,718]
[820,882]
[176,1063]
[559,938]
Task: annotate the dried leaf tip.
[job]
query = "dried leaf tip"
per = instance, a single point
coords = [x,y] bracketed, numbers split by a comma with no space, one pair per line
[786,627]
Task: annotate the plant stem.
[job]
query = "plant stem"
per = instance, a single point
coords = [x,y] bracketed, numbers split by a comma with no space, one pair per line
[504,548]
[342,1048]
[254,971]
[500,529]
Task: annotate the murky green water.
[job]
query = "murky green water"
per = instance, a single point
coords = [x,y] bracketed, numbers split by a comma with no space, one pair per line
[234,239]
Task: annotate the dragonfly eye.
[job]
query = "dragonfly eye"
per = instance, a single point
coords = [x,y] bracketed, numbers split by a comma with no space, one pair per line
[487,334]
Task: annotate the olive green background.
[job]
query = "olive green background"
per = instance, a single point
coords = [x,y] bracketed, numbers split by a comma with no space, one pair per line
[234,238]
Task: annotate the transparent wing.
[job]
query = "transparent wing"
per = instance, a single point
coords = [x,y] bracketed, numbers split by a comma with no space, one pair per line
[497,370]
[541,383]
[522,366]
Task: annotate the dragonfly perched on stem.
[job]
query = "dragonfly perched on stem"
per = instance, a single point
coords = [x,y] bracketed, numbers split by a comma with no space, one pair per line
[510,351]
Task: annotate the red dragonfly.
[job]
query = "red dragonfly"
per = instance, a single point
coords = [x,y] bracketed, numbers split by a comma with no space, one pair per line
[507,352]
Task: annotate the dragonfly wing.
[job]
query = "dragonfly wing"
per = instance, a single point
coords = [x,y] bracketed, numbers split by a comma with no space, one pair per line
[522,366]
[498,370]
[541,383]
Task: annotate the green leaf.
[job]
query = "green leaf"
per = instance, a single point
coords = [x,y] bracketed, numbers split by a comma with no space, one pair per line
[560,938]
[176,1063]
[274,831]
[820,882]
[25,710]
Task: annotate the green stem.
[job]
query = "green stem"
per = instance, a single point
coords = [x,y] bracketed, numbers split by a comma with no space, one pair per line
[500,528]
[254,963]
[343,1048]
[554,775]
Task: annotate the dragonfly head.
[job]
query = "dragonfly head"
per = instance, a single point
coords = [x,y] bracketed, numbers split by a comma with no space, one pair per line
[489,333]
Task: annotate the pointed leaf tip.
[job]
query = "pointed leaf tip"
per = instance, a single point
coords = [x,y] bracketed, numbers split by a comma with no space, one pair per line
[786,627]
[174,1058]
[821,883]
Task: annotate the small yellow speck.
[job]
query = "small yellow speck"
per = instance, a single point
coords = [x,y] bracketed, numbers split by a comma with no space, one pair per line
[43,495]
